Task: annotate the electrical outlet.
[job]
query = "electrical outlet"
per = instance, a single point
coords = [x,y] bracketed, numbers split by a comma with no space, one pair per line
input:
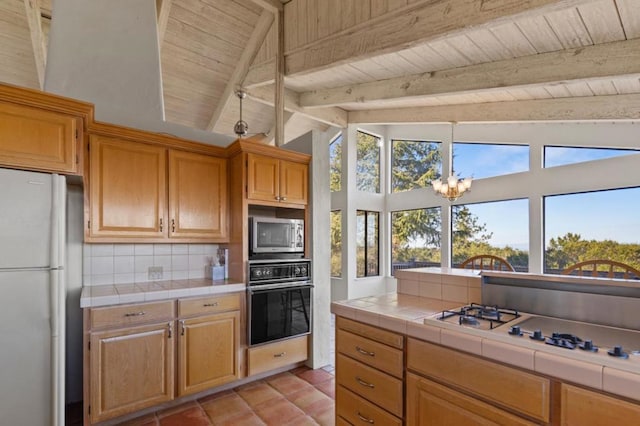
[155,272]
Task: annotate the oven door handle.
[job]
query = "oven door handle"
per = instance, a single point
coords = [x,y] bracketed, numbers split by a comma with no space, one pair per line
[269,287]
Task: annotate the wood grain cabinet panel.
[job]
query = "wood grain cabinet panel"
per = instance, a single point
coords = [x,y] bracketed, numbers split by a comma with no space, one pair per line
[588,408]
[429,403]
[147,193]
[208,355]
[127,189]
[197,196]
[358,411]
[131,369]
[508,387]
[370,352]
[33,138]
[275,181]
[278,354]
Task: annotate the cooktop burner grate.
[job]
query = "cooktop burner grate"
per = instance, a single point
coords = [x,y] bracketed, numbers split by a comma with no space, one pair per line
[479,316]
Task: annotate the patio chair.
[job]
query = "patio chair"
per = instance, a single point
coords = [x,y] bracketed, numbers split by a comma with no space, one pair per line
[601,267]
[487,262]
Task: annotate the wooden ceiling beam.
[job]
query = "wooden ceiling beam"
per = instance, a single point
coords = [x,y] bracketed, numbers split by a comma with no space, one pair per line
[332,116]
[32,8]
[610,107]
[415,24]
[621,58]
[162,10]
[261,74]
[271,134]
[265,21]
[273,6]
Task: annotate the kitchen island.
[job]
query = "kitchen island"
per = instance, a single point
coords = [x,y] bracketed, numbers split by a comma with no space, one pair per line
[454,372]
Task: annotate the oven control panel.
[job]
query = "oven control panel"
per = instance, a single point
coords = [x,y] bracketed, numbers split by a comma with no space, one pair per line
[279,271]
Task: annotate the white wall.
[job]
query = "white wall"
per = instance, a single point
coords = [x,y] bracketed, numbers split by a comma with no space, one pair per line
[533,185]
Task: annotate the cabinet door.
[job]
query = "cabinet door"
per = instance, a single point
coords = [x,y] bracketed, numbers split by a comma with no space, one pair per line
[208,352]
[588,408]
[197,196]
[127,189]
[294,182]
[429,403]
[32,138]
[263,180]
[131,369]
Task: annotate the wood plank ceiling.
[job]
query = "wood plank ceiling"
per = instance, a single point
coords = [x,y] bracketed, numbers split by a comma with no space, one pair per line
[343,62]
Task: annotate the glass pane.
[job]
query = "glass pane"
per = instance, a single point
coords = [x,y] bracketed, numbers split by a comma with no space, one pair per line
[367,251]
[481,160]
[415,238]
[336,244]
[498,228]
[414,164]
[593,225]
[368,163]
[335,164]
[372,244]
[562,155]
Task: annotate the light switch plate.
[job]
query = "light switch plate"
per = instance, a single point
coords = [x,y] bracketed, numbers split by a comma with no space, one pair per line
[155,272]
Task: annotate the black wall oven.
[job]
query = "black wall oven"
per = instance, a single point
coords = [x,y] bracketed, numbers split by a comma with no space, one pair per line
[279,300]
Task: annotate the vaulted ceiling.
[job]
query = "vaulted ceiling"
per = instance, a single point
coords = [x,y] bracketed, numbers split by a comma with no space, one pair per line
[374,60]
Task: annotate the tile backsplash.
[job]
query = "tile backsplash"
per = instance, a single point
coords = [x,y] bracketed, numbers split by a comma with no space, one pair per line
[127,263]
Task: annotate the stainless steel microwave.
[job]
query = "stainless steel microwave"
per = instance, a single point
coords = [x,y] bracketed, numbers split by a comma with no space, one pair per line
[273,235]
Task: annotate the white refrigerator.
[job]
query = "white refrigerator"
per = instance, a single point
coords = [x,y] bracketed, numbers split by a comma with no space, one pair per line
[32,298]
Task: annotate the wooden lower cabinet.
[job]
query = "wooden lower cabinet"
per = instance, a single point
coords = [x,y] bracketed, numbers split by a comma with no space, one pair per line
[207,354]
[430,403]
[357,410]
[589,408]
[278,354]
[131,369]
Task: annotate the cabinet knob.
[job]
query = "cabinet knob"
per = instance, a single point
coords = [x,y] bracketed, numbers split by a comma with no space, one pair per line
[277,198]
[173,225]
[283,198]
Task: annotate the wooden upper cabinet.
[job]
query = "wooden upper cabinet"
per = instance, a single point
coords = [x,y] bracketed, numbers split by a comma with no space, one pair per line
[127,189]
[197,196]
[149,193]
[33,138]
[276,181]
[294,182]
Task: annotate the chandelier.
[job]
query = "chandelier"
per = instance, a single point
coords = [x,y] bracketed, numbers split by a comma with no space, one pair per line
[452,188]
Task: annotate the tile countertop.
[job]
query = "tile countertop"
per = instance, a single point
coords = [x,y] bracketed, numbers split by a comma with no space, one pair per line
[102,295]
[406,314]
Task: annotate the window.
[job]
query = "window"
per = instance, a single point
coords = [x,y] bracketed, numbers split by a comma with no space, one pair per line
[499,228]
[482,160]
[336,243]
[593,225]
[414,164]
[335,164]
[367,253]
[368,162]
[563,155]
[415,238]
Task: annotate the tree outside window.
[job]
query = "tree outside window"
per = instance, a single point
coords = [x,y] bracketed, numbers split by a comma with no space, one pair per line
[414,164]
[336,243]
[415,238]
[367,248]
[368,162]
[335,164]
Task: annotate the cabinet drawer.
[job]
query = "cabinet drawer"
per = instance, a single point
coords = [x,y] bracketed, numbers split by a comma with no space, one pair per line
[506,386]
[370,352]
[377,387]
[275,355]
[357,410]
[127,315]
[208,305]
[374,333]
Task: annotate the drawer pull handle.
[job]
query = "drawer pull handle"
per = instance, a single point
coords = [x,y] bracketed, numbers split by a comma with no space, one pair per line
[210,305]
[135,314]
[170,330]
[182,327]
[363,352]
[280,355]
[160,224]
[365,419]
[363,383]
